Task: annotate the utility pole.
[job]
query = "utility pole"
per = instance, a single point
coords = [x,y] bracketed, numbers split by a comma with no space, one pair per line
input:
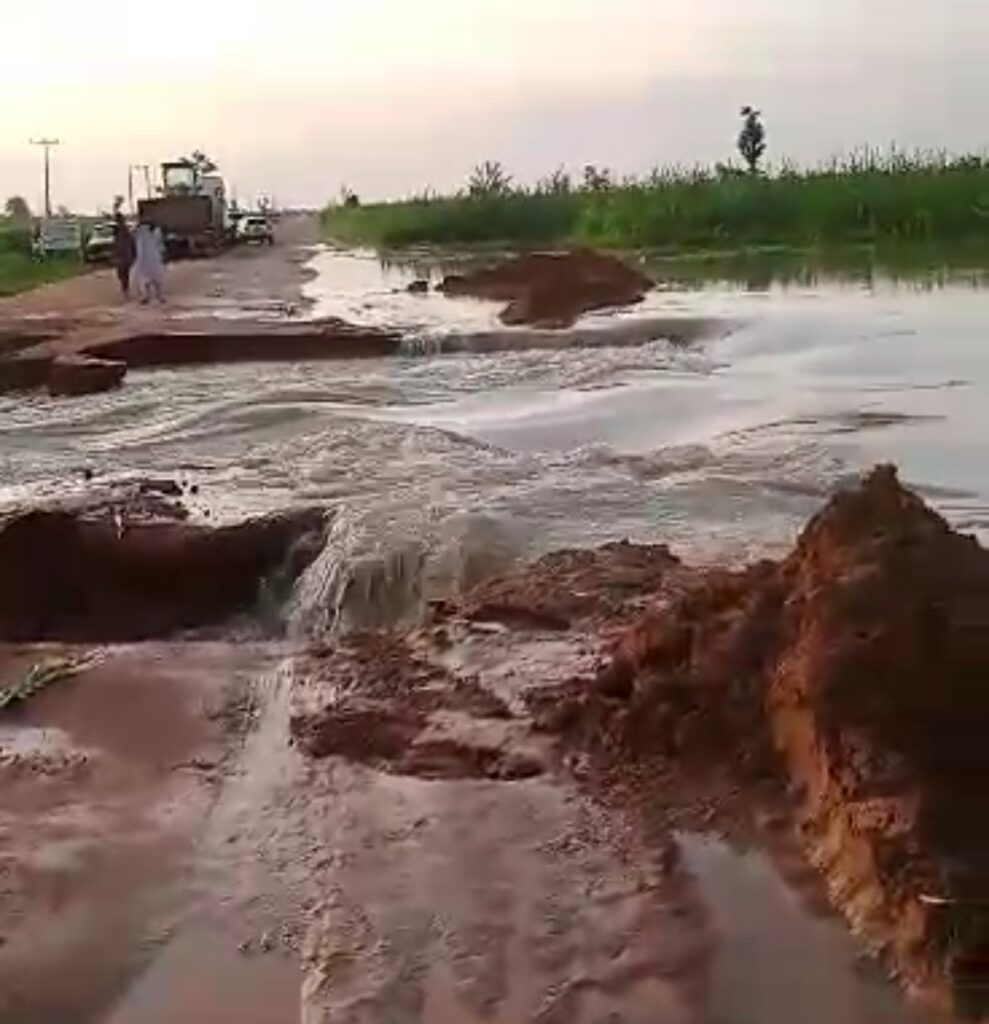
[47,145]
[146,170]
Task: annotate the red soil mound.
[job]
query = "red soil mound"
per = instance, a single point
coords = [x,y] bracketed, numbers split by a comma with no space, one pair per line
[859,668]
[553,289]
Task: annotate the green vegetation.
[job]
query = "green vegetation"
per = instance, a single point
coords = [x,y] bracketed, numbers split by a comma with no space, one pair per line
[41,675]
[871,198]
[20,270]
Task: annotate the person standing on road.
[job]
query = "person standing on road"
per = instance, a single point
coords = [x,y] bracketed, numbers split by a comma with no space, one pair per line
[123,252]
[149,262]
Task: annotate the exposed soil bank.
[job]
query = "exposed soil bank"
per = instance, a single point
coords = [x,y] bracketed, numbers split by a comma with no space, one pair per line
[100,575]
[84,375]
[856,668]
[553,289]
[95,360]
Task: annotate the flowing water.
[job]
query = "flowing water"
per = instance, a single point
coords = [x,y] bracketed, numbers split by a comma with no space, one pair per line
[478,445]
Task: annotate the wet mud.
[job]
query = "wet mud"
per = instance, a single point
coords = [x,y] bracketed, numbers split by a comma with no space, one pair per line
[107,781]
[567,795]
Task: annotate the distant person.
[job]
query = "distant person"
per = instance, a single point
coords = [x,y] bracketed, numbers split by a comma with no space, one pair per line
[149,262]
[123,252]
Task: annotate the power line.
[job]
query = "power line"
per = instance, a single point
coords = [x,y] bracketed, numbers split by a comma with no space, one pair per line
[48,145]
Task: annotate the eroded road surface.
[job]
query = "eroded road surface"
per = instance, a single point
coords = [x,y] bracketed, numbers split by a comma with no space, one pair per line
[215,832]
[246,281]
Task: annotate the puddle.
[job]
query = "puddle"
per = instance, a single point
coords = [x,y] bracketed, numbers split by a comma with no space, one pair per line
[776,962]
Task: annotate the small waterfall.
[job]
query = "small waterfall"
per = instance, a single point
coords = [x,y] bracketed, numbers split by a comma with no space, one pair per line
[359,580]
[378,570]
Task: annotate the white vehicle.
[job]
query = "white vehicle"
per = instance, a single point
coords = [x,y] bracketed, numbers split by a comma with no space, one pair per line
[60,235]
[255,228]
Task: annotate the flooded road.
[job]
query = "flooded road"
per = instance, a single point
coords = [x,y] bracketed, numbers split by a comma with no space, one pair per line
[721,447]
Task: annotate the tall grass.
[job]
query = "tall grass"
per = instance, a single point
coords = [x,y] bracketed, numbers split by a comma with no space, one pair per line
[869,197]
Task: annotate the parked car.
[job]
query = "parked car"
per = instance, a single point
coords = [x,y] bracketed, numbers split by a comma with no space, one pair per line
[253,228]
[99,245]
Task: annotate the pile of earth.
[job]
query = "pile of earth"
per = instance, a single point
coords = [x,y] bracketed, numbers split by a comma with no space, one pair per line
[552,290]
[856,671]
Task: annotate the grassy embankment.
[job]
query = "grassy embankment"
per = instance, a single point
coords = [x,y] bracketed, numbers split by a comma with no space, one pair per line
[19,271]
[872,200]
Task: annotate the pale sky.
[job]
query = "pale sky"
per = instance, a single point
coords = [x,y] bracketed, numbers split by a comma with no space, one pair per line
[296,97]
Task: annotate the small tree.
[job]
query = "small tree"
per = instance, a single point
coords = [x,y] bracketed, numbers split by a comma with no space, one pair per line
[596,179]
[752,138]
[203,163]
[17,209]
[489,179]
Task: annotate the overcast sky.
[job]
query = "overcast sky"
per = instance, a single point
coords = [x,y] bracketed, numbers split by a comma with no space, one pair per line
[295,97]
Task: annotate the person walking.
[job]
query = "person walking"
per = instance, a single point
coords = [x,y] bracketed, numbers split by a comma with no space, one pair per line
[149,262]
[123,252]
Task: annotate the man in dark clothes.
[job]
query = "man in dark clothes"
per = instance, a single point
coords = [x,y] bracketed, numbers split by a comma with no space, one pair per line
[123,251]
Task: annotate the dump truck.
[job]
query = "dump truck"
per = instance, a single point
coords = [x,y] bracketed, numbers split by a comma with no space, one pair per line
[191,210]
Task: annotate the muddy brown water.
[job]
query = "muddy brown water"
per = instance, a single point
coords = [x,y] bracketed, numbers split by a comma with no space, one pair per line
[108,778]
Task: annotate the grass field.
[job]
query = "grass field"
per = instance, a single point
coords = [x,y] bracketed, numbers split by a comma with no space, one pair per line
[19,271]
[871,199]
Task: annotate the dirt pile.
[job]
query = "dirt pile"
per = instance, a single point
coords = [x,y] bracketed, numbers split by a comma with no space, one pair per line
[879,705]
[102,575]
[569,587]
[553,290]
[857,669]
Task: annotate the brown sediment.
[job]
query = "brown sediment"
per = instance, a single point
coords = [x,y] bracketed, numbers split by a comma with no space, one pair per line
[856,670]
[247,342]
[394,709]
[574,586]
[553,289]
[107,781]
[100,356]
[105,575]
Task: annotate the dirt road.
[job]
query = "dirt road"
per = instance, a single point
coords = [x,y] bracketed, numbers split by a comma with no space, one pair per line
[245,280]
[79,336]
